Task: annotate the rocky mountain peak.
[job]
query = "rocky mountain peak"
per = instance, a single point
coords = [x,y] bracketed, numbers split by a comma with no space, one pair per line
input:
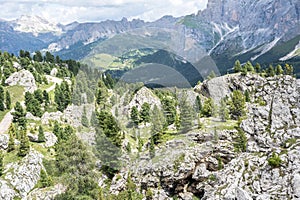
[36,25]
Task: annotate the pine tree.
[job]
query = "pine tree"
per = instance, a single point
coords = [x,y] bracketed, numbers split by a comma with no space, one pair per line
[247,96]
[223,110]
[108,140]
[101,94]
[198,104]
[211,75]
[41,135]
[84,119]
[24,145]
[38,95]
[7,100]
[249,67]
[134,115]
[208,107]
[45,180]
[237,104]
[1,162]
[38,56]
[2,107]
[271,71]
[257,68]
[11,141]
[289,70]
[237,66]
[169,106]
[152,148]
[94,121]
[186,115]
[19,116]
[145,113]
[279,70]
[57,130]
[157,121]
[46,98]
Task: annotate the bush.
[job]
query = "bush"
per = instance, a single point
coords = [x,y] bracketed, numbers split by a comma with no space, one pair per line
[274,161]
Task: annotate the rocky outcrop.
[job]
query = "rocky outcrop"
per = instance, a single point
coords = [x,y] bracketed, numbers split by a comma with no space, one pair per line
[46,193]
[24,175]
[22,78]
[6,191]
[51,139]
[206,164]
[53,116]
[144,95]
[53,72]
[73,114]
[4,141]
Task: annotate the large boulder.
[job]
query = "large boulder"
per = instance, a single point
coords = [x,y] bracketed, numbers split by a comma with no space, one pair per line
[51,139]
[22,78]
[4,141]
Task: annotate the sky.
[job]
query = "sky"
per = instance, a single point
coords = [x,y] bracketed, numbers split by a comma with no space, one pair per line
[67,11]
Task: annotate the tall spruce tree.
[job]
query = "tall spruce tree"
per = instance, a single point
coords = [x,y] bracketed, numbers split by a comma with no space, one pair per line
[41,135]
[223,110]
[19,116]
[237,104]
[7,100]
[208,107]
[134,115]
[24,144]
[2,107]
[186,115]
[84,119]
[145,113]
[157,121]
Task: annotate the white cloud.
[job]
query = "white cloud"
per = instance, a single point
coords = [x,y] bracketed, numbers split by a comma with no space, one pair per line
[94,10]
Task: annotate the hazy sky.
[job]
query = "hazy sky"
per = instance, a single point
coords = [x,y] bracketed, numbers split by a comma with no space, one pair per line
[66,11]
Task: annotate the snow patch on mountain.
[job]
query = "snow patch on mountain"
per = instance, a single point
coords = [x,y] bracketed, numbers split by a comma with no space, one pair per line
[36,25]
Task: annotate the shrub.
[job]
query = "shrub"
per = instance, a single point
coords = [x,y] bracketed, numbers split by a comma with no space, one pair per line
[274,161]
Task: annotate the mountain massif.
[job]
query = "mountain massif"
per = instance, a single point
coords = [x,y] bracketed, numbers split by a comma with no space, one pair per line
[260,31]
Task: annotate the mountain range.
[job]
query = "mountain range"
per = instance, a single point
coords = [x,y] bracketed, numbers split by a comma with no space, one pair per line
[264,31]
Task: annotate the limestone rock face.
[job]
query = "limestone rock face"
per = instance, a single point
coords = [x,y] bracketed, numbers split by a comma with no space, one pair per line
[144,95]
[6,191]
[22,78]
[46,193]
[51,139]
[23,176]
[73,114]
[54,116]
[205,163]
